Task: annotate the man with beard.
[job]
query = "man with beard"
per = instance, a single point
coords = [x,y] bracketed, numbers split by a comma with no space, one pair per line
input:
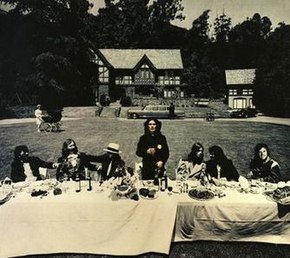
[153,149]
[25,167]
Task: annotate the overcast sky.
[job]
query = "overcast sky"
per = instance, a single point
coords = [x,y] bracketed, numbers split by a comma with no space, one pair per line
[238,10]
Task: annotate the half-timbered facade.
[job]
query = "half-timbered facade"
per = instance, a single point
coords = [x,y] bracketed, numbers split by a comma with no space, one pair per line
[240,87]
[139,72]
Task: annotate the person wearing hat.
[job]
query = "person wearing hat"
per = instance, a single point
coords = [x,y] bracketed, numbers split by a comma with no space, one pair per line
[153,149]
[38,116]
[111,163]
[73,163]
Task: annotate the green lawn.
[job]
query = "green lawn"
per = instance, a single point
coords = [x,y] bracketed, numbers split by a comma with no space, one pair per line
[93,134]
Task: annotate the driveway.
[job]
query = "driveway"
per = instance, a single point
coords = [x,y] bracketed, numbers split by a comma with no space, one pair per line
[258,119]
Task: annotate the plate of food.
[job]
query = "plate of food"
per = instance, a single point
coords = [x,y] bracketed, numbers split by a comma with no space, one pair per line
[280,195]
[201,194]
[148,194]
[123,190]
[255,190]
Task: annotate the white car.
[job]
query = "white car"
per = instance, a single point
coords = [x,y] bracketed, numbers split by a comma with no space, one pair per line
[157,111]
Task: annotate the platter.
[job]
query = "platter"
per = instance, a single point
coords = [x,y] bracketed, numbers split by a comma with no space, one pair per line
[201,195]
[283,201]
[5,194]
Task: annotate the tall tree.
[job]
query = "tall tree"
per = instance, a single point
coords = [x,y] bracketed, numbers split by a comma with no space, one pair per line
[222,27]
[55,56]
[137,23]
[247,41]
[122,24]
[198,66]
[271,87]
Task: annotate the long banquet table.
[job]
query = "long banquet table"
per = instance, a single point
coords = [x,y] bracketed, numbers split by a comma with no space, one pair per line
[96,222]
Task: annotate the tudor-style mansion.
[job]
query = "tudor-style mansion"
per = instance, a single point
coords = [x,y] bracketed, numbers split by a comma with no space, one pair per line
[139,73]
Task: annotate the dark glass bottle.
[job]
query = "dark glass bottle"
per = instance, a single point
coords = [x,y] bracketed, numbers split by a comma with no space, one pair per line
[156,182]
[78,183]
[90,182]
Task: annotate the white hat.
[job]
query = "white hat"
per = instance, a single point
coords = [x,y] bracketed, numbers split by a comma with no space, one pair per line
[113,148]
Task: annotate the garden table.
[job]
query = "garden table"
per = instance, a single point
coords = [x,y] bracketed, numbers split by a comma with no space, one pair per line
[238,216]
[85,222]
[95,222]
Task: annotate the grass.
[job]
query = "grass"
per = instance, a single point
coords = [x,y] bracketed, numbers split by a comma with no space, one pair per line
[93,135]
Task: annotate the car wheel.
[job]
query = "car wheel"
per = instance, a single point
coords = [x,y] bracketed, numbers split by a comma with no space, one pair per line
[134,116]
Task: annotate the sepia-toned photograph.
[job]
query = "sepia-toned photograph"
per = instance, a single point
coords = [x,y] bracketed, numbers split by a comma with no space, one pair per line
[144,128]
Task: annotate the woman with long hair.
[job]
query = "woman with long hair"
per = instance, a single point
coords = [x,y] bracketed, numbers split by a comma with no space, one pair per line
[196,161]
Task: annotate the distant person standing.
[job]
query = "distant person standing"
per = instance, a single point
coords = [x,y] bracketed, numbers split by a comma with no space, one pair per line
[171,111]
[153,149]
[38,116]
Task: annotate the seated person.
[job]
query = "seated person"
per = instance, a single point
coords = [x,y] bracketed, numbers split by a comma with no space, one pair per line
[196,163]
[220,166]
[263,166]
[25,167]
[72,162]
[112,164]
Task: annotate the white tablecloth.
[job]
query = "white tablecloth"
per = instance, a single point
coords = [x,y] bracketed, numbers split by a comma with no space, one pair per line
[85,222]
[92,222]
[236,217]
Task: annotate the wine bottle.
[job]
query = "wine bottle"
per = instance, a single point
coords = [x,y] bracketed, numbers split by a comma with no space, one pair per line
[156,183]
[165,179]
[90,182]
[162,184]
[78,183]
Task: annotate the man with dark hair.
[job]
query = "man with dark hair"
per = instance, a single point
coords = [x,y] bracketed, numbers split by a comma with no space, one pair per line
[153,149]
[25,167]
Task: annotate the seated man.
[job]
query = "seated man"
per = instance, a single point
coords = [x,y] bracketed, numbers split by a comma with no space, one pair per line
[112,164]
[25,167]
[73,163]
[262,166]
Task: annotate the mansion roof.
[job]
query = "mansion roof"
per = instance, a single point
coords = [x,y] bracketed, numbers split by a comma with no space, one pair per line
[129,58]
[240,76]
